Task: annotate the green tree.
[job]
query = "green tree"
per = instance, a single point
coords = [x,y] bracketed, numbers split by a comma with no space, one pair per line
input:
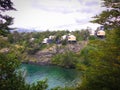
[5,20]
[67,59]
[104,72]
[110,18]
[10,79]
[9,60]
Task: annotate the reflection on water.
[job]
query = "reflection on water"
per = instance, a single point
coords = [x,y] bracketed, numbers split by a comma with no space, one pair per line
[56,76]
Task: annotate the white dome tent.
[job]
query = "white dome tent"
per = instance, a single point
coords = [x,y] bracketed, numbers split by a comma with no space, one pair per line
[101,34]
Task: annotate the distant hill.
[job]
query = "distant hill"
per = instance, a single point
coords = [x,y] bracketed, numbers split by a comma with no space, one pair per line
[20,30]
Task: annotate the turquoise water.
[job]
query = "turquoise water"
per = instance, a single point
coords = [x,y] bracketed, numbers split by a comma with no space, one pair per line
[56,76]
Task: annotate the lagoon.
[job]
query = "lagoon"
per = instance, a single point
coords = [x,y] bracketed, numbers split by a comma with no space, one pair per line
[56,76]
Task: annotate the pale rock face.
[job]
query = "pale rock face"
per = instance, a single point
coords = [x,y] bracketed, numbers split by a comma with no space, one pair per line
[4,50]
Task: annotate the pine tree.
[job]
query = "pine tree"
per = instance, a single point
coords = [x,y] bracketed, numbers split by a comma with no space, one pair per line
[110,18]
[9,61]
[104,72]
[5,20]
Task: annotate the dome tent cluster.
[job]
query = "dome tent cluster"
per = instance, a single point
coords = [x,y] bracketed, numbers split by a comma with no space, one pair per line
[69,38]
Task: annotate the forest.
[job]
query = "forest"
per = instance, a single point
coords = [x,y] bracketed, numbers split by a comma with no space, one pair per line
[98,60]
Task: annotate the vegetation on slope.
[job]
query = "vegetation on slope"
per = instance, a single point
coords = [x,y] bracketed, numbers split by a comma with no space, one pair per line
[100,60]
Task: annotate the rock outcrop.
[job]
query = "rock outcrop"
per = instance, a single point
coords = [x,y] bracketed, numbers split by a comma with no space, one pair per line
[43,57]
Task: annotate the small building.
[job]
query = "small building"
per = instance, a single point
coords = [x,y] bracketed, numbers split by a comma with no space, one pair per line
[71,38]
[45,40]
[64,37]
[101,33]
[92,33]
[32,39]
[51,37]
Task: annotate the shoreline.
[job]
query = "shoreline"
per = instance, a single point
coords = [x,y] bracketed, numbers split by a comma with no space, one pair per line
[37,63]
[45,64]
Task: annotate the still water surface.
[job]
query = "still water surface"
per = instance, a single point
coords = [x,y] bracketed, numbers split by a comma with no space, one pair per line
[56,76]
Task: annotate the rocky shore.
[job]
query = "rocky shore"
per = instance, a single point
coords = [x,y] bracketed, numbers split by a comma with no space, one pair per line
[43,57]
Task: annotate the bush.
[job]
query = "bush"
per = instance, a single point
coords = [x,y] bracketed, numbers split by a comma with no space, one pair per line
[10,79]
[68,60]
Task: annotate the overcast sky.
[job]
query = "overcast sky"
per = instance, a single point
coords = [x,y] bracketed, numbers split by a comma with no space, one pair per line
[55,14]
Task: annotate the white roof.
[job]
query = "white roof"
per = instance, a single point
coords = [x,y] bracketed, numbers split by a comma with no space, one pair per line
[101,32]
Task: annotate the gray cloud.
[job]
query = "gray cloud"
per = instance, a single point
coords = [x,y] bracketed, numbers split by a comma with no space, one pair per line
[93,3]
[57,13]
[68,6]
[62,6]
[64,26]
[54,9]
[82,21]
[85,10]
